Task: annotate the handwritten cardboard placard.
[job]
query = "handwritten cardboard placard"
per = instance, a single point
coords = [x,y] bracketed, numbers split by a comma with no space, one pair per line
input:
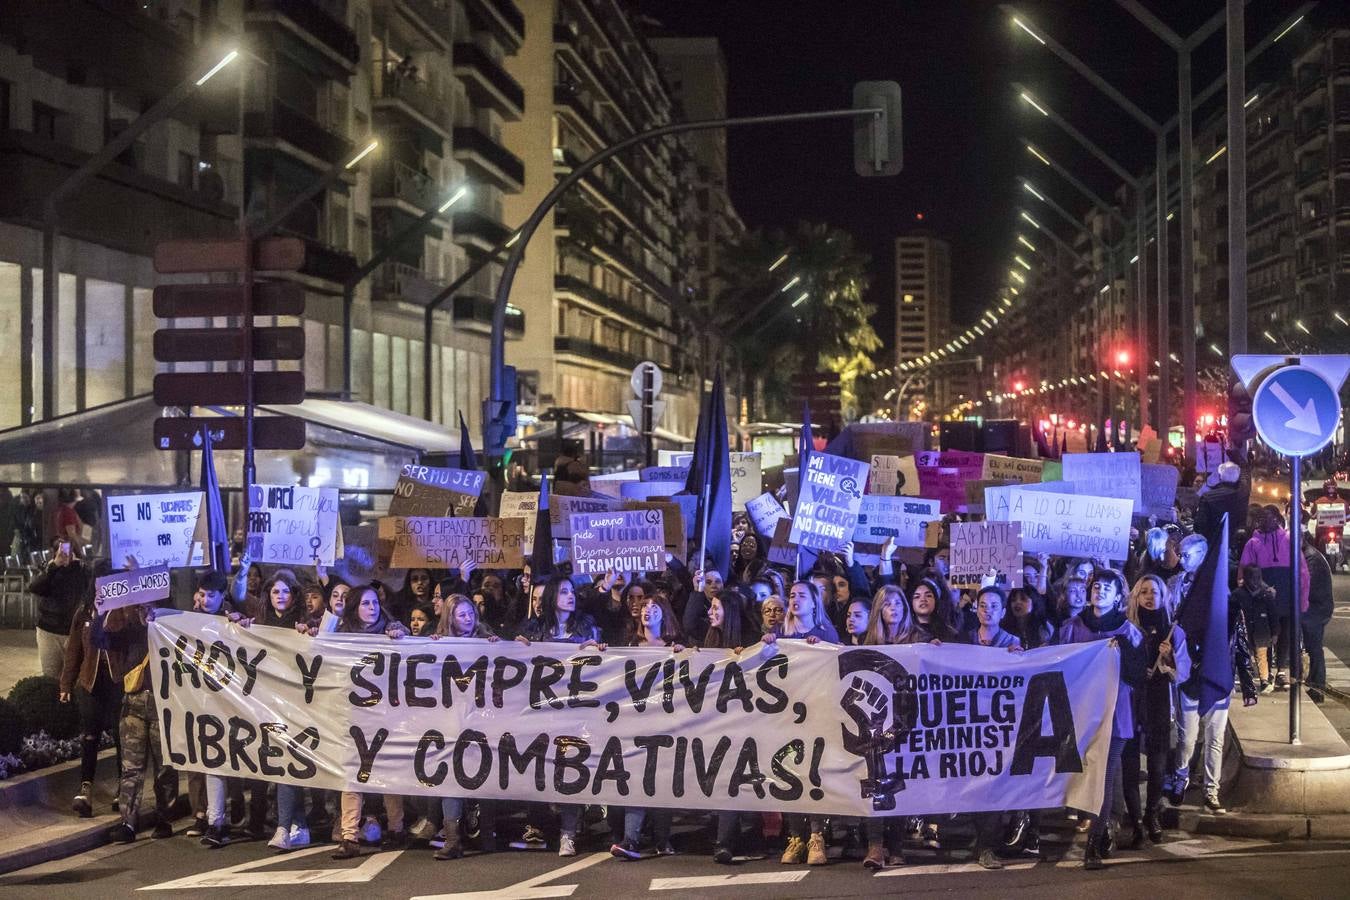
[782,552]
[131,588]
[998,500]
[1158,485]
[1330,515]
[623,541]
[831,493]
[982,549]
[1012,468]
[664,473]
[521,505]
[449,543]
[946,484]
[561,509]
[1105,475]
[947,459]
[157,529]
[1210,457]
[672,519]
[1072,524]
[461,481]
[764,512]
[893,476]
[747,478]
[904,518]
[888,438]
[293,525]
[430,491]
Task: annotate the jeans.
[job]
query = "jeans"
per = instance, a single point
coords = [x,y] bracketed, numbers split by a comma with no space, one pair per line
[569,815]
[51,648]
[290,807]
[1317,655]
[351,813]
[216,790]
[1189,722]
[1113,776]
[633,820]
[1281,628]
[728,829]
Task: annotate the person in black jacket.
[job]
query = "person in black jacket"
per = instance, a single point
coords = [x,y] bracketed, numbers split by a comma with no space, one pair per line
[59,589]
[1321,603]
[1228,490]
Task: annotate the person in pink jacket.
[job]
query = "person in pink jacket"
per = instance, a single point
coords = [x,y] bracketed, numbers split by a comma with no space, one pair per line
[1268,548]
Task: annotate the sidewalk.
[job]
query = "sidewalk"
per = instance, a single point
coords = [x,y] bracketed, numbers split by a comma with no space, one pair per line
[18,648]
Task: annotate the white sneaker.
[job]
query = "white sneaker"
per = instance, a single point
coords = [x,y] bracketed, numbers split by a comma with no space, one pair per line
[281,840]
[567,845]
[371,832]
[299,837]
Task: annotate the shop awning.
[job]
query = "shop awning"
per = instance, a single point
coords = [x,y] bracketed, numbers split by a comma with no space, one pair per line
[577,422]
[350,445]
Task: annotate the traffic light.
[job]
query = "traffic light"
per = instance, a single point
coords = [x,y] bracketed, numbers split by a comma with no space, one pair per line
[878,147]
[239,344]
[1241,425]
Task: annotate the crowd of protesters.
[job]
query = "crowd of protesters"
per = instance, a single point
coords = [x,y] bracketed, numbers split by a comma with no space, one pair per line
[1161,745]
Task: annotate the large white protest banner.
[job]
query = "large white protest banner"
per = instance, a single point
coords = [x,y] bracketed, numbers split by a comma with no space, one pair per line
[746,479]
[827,509]
[904,518]
[986,550]
[852,731]
[522,505]
[1106,475]
[1072,524]
[293,525]
[156,529]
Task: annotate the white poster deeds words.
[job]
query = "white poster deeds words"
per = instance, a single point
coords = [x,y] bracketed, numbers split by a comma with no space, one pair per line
[157,529]
[293,525]
[986,549]
[1106,475]
[747,477]
[522,505]
[827,503]
[1072,524]
[131,588]
[625,541]
[448,543]
[850,731]
[904,518]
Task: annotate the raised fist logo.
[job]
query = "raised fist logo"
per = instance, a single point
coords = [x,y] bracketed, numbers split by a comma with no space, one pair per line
[869,707]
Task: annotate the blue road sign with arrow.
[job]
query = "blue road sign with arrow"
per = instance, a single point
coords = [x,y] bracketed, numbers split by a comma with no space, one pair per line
[1296,410]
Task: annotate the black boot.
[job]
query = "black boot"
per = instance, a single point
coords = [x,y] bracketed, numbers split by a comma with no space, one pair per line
[1092,856]
[1137,839]
[1153,826]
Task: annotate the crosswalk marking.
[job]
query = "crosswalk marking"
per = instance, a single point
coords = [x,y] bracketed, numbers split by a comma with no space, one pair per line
[531,888]
[248,874]
[712,881]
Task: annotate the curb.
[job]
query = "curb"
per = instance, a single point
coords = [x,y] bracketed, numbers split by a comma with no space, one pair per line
[79,841]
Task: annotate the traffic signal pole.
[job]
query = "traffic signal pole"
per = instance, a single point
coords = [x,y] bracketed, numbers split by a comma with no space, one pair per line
[498,408]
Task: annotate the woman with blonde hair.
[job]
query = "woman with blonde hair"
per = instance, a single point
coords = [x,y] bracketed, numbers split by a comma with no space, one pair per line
[890,621]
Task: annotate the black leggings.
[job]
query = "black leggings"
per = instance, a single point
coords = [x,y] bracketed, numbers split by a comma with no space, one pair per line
[100,711]
[1131,774]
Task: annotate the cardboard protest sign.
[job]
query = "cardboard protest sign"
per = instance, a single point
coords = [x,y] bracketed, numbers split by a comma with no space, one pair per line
[430,491]
[746,479]
[561,509]
[624,541]
[555,723]
[893,475]
[830,495]
[672,520]
[1210,457]
[521,505]
[975,493]
[1105,475]
[365,557]
[888,438]
[1158,485]
[1072,524]
[131,588]
[904,518]
[664,473]
[764,512]
[947,485]
[449,543]
[782,552]
[1012,468]
[948,459]
[998,500]
[1330,515]
[293,525]
[157,529]
[981,549]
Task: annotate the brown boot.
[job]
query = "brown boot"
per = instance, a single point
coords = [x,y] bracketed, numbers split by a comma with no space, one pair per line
[876,856]
[815,850]
[452,848]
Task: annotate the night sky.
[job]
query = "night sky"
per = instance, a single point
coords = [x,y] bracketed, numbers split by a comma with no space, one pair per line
[955,61]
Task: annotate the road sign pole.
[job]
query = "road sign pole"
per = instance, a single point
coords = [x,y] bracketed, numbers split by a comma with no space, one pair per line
[647,392]
[1296,614]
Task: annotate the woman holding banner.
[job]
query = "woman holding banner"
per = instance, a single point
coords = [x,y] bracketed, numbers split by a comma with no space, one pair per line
[1105,619]
[558,622]
[889,622]
[1024,621]
[363,614]
[933,612]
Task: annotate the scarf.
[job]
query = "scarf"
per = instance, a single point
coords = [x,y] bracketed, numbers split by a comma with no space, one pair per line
[1109,622]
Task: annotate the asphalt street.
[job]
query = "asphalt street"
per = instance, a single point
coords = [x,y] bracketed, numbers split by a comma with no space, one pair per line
[1182,866]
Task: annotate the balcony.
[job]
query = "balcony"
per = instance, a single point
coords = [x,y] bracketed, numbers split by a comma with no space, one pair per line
[1310,80]
[1313,174]
[501,17]
[402,183]
[576,104]
[396,282]
[1310,126]
[594,353]
[322,23]
[487,82]
[478,231]
[486,158]
[1260,173]
[473,312]
[414,100]
[318,146]
[568,284]
[431,19]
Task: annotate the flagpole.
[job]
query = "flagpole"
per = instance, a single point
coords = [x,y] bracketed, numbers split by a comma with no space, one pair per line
[703,547]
